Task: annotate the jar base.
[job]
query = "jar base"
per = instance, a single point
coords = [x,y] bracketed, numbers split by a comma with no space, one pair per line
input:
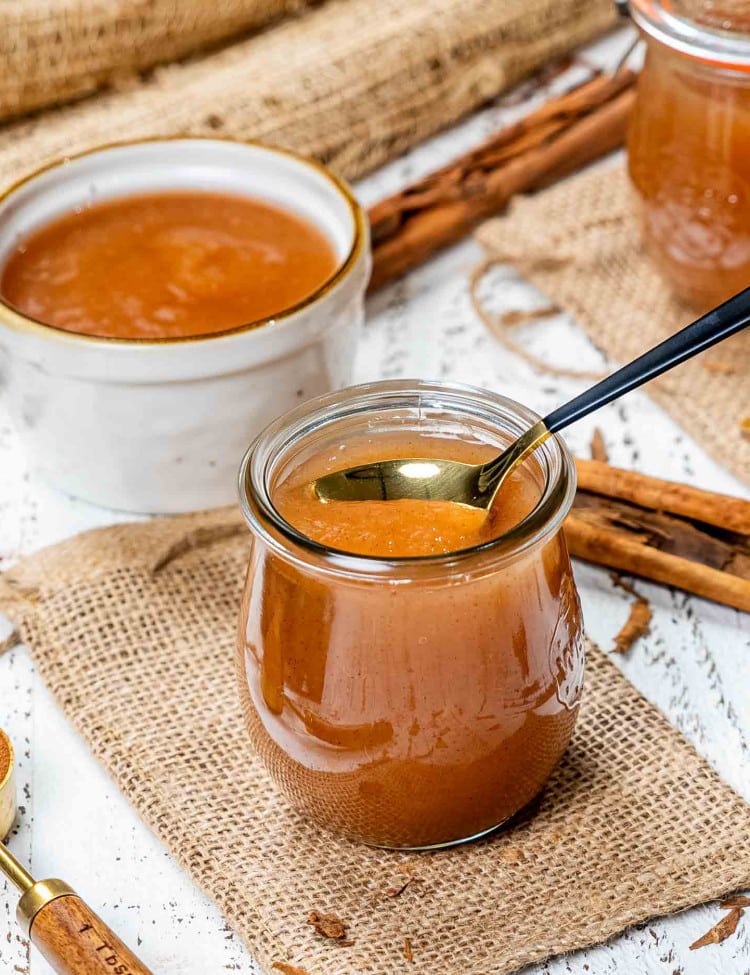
[446,844]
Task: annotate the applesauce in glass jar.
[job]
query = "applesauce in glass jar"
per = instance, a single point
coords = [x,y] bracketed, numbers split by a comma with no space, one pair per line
[410,671]
[689,145]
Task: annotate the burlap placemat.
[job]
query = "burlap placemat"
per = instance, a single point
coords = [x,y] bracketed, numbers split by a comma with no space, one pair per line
[351,82]
[579,243]
[53,50]
[133,630]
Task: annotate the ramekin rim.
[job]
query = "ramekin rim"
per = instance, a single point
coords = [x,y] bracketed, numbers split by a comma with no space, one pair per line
[16,320]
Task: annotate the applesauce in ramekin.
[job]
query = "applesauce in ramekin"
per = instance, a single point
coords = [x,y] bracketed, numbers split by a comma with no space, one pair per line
[131,374]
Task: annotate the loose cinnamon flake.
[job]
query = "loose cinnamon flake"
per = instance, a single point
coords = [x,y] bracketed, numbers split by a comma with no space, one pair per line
[745,427]
[739,900]
[598,447]
[408,953]
[286,969]
[329,926]
[721,931]
[511,854]
[399,888]
[637,625]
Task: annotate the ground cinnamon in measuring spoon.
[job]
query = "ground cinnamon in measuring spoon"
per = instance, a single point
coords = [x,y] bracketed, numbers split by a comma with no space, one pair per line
[4,757]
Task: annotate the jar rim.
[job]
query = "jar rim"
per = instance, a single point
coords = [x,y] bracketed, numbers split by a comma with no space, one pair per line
[263,517]
[667,22]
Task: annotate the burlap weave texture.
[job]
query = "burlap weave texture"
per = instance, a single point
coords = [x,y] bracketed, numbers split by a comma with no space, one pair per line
[133,629]
[351,82]
[53,50]
[579,242]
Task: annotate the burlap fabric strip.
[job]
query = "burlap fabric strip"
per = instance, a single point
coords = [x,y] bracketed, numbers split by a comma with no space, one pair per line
[579,243]
[133,630]
[53,50]
[351,82]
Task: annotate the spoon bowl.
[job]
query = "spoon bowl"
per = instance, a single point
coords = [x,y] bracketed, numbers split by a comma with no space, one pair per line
[428,479]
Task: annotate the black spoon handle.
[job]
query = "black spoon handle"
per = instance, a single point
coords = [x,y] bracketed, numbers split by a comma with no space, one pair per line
[731,317]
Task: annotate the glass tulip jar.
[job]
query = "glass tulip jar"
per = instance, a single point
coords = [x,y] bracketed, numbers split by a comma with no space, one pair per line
[408,701]
[689,145]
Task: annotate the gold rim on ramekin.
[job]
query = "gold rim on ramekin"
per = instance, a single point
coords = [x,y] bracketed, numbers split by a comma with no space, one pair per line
[15,319]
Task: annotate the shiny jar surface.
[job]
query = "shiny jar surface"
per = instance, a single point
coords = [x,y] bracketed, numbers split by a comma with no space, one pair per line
[689,150]
[408,701]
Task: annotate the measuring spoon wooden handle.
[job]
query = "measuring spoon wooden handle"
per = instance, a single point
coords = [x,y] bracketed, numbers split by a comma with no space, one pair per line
[75,941]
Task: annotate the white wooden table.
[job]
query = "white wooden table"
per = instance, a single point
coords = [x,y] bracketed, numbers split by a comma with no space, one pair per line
[694,665]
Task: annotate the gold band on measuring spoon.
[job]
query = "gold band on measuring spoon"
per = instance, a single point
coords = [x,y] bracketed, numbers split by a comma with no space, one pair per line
[38,896]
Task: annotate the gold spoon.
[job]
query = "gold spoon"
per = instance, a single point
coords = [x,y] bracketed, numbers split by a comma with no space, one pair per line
[477,484]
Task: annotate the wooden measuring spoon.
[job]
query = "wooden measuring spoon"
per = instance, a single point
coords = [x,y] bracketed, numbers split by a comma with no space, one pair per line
[73,939]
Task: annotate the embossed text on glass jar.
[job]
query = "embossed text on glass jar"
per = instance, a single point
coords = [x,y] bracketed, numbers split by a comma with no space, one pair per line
[408,702]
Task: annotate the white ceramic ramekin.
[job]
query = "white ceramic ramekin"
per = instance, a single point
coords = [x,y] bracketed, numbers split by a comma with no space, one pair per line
[160,426]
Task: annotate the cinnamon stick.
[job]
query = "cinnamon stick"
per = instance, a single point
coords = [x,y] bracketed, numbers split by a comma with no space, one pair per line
[679,536]
[563,135]
[721,510]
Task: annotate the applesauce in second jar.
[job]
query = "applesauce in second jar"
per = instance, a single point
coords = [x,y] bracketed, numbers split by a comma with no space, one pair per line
[689,145]
[410,671]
